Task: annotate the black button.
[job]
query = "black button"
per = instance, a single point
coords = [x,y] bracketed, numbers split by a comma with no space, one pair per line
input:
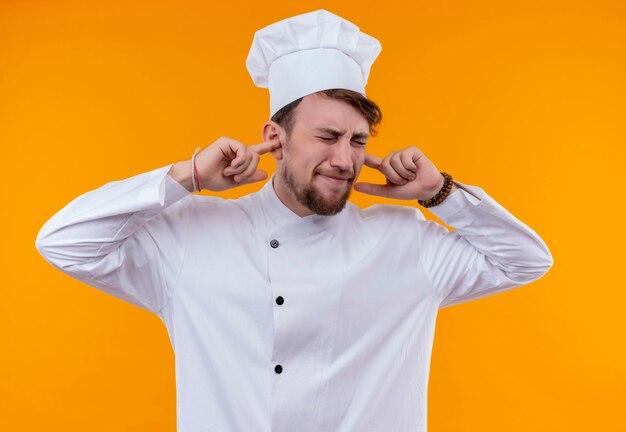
[274,244]
[278,369]
[280,300]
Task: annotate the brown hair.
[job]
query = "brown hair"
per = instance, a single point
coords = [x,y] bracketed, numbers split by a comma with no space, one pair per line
[372,113]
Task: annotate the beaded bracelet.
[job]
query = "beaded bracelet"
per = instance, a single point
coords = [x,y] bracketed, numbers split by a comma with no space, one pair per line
[441,195]
[195,180]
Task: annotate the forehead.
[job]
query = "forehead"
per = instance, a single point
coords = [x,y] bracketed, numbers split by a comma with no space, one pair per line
[320,111]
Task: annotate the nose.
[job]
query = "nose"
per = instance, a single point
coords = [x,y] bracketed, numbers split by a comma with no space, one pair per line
[341,157]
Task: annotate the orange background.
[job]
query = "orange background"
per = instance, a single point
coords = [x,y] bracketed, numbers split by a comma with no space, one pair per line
[522,98]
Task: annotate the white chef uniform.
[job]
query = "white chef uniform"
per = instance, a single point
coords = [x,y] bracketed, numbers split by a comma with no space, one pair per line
[284,323]
[344,304]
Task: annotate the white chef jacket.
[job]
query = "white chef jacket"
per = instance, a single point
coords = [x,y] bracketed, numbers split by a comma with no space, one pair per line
[344,304]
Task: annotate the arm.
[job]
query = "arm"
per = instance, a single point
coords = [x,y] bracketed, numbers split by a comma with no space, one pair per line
[128,237]
[490,250]
[125,238]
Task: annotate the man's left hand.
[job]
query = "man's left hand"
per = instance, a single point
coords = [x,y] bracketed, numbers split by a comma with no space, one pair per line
[409,173]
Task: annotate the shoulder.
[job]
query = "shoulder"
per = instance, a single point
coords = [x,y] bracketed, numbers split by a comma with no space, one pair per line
[385,220]
[226,208]
[387,213]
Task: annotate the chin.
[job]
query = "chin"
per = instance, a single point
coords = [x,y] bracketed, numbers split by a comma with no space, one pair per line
[331,194]
[331,203]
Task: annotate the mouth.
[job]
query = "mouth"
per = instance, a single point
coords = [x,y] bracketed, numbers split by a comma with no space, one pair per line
[335,179]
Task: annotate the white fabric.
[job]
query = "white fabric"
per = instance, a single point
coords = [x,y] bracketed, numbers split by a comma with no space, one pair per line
[361,293]
[310,52]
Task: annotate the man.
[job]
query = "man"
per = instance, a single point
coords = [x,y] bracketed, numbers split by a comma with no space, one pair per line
[291,309]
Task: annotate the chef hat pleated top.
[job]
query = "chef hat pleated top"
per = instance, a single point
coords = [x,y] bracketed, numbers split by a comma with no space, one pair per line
[308,53]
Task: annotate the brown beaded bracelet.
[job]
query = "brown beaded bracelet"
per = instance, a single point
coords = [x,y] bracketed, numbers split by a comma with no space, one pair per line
[441,195]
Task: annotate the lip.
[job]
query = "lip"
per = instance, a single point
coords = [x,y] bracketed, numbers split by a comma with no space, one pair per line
[336,180]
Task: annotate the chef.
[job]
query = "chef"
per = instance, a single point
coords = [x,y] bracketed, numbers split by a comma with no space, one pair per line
[291,309]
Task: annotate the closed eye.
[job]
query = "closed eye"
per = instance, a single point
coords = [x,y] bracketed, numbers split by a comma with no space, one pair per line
[334,138]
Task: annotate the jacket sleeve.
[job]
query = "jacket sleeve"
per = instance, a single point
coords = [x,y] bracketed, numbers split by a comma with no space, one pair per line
[126,238]
[488,252]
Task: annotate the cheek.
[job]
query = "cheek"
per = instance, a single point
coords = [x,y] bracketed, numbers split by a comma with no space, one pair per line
[316,161]
[302,167]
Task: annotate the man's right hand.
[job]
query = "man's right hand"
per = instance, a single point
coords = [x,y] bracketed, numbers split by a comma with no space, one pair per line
[225,164]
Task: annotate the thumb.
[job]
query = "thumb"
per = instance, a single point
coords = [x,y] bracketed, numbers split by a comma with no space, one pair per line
[257,176]
[372,189]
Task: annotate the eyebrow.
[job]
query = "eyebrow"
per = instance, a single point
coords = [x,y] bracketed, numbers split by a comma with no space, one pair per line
[331,131]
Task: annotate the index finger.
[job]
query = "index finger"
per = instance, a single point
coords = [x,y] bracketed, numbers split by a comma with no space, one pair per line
[372,161]
[265,146]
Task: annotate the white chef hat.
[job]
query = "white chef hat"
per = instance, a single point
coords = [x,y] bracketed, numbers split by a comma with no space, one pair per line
[308,53]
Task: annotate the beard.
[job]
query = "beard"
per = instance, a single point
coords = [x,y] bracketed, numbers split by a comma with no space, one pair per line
[310,197]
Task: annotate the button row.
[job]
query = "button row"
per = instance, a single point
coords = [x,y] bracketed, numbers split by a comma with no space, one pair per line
[279,300]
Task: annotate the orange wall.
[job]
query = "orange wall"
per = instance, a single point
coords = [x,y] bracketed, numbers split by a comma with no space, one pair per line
[523,98]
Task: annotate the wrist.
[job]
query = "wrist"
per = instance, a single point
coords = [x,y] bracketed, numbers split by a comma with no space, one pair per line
[181,172]
[446,187]
[453,187]
[432,192]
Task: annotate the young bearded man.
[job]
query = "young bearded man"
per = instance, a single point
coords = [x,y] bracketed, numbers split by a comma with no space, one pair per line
[291,309]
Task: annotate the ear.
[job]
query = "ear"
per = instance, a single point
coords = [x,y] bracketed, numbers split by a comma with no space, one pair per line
[272,130]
